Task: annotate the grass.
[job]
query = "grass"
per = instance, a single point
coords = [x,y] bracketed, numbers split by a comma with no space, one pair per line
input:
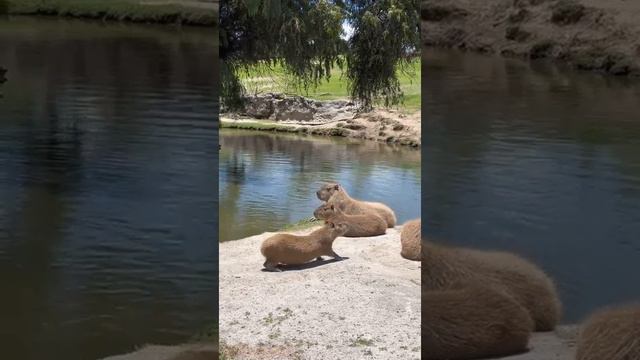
[119,10]
[302,224]
[262,79]
[255,125]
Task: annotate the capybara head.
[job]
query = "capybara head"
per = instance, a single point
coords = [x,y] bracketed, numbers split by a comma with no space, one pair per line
[327,190]
[325,211]
[337,228]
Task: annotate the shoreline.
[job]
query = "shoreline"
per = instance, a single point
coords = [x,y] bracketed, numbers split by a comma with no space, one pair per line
[586,34]
[296,114]
[185,13]
[321,310]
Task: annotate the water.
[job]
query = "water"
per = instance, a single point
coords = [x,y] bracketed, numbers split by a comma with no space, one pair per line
[269,181]
[538,160]
[108,194]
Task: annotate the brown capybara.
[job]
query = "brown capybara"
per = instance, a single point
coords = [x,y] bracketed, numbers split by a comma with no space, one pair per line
[528,284]
[411,241]
[298,249]
[472,321]
[336,194]
[359,225]
[611,334]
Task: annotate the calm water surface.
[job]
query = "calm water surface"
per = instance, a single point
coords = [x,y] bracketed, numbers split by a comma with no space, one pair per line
[108,198]
[268,181]
[541,161]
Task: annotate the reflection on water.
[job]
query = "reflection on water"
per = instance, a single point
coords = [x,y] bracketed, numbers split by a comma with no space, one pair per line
[268,181]
[538,160]
[107,187]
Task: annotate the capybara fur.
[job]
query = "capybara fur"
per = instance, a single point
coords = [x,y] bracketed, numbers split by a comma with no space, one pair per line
[359,225]
[298,249]
[336,194]
[472,321]
[528,284]
[611,334]
[411,241]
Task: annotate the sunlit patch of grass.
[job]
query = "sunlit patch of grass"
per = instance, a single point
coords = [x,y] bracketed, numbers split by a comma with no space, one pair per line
[263,78]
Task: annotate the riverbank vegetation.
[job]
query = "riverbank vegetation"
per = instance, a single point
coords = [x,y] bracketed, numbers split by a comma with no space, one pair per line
[262,78]
[197,13]
[370,42]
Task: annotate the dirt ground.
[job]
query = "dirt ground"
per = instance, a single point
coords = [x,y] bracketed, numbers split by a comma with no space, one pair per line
[364,307]
[591,35]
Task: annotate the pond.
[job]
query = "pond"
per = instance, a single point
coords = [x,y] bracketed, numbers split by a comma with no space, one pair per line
[108,194]
[539,160]
[268,181]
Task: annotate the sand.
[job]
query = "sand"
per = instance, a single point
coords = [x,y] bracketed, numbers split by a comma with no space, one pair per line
[364,307]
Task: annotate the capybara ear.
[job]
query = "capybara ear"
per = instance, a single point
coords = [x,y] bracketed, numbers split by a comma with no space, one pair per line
[336,186]
[332,207]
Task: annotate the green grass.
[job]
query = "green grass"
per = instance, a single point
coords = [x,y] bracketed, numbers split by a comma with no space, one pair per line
[302,224]
[119,10]
[261,79]
[255,125]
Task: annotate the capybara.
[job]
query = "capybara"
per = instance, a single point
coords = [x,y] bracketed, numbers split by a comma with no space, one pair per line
[336,194]
[298,249]
[528,284]
[411,241]
[359,225]
[472,321]
[611,334]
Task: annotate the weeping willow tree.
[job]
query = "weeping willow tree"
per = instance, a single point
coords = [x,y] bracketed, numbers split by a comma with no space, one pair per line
[305,38]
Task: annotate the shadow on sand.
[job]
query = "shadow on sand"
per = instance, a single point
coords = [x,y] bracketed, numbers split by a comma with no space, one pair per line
[309,265]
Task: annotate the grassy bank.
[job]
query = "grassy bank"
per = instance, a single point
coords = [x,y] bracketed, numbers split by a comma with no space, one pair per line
[162,12]
[260,79]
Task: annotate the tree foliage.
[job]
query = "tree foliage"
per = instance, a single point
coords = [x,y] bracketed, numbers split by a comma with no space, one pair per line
[305,39]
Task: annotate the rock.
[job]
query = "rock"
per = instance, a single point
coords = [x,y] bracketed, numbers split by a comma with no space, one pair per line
[567,12]
[515,33]
[435,13]
[294,108]
[541,49]
[259,107]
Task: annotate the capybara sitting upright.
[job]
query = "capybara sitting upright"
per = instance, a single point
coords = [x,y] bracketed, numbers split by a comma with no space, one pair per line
[611,334]
[298,249]
[359,225]
[336,194]
[529,285]
[411,241]
[472,321]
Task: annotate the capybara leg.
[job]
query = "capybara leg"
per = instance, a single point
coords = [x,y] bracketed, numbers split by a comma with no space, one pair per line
[319,258]
[269,266]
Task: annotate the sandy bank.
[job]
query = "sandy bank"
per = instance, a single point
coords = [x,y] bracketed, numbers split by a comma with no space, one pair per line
[364,307]
[274,112]
[588,34]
